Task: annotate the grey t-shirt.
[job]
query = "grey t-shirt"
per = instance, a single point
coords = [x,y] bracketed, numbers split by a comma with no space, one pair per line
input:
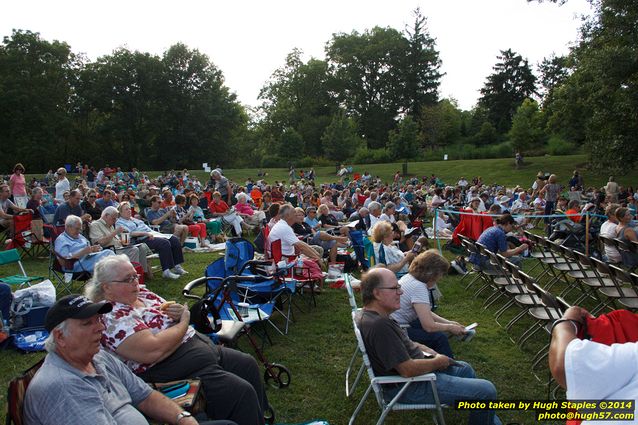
[60,393]
[386,343]
[414,292]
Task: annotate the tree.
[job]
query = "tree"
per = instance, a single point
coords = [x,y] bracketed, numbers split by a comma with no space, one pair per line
[422,70]
[553,72]
[340,140]
[368,69]
[487,135]
[440,124]
[602,92]
[505,89]
[298,96]
[403,142]
[526,133]
[290,144]
[36,88]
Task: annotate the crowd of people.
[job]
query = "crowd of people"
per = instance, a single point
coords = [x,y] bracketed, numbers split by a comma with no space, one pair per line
[114,219]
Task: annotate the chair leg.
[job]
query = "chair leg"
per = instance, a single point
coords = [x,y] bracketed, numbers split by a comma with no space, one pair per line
[360,405]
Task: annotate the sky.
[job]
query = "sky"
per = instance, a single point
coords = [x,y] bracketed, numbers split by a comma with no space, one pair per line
[247,40]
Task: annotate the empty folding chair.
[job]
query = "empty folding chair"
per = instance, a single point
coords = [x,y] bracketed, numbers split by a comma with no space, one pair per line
[11,256]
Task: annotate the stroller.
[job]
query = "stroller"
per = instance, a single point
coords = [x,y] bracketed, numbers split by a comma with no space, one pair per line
[221,312]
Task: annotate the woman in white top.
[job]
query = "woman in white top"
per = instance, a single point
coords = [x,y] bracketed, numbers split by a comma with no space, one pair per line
[426,327]
[62,185]
[386,252]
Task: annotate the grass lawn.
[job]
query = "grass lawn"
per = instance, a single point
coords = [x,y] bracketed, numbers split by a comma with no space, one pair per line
[500,171]
[320,343]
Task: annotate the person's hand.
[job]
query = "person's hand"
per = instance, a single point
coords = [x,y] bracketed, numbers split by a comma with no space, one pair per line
[443,361]
[456,329]
[150,236]
[119,230]
[175,311]
[96,248]
[29,210]
[522,248]
[577,313]
[185,317]
[410,256]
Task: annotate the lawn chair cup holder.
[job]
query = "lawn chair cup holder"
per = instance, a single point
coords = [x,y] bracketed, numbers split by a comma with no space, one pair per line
[275,375]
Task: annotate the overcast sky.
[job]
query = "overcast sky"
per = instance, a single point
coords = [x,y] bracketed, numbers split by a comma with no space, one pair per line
[248,40]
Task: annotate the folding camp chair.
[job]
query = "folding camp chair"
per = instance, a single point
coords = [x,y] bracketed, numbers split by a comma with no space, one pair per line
[357,239]
[15,395]
[61,270]
[12,256]
[298,275]
[377,382]
[25,239]
[353,305]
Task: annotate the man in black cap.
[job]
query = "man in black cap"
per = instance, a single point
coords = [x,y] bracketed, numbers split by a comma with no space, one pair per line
[79,383]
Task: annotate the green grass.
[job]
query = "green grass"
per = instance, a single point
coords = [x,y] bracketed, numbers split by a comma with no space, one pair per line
[320,343]
[501,171]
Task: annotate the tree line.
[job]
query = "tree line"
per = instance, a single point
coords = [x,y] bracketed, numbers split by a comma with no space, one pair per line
[373,98]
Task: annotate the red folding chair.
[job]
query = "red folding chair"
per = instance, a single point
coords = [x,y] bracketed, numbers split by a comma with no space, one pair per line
[301,275]
[25,239]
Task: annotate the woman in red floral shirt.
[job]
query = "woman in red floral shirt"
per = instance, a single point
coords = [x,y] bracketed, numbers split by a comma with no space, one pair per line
[154,339]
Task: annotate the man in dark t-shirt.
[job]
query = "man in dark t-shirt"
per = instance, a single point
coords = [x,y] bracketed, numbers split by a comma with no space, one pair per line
[391,352]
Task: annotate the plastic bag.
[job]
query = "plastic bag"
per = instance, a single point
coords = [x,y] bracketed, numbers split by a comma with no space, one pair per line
[38,295]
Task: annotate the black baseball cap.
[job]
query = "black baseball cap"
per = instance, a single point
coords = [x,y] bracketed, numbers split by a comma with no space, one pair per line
[74,306]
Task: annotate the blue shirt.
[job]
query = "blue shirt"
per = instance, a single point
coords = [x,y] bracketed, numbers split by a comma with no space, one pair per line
[65,210]
[312,222]
[60,393]
[67,246]
[154,215]
[494,239]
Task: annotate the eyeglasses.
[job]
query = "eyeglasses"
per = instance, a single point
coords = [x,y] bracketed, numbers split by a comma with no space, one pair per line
[92,196]
[397,288]
[131,279]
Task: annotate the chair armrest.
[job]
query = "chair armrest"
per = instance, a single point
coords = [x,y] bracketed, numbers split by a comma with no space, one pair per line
[396,379]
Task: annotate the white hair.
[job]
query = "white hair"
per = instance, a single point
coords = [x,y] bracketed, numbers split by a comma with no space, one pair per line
[71,221]
[49,343]
[109,212]
[374,206]
[106,270]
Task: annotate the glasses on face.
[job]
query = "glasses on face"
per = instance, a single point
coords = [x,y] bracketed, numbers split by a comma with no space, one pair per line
[396,288]
[92,196]
[130,279]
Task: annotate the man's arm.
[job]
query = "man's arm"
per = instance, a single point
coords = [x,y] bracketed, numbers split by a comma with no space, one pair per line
[416,367]
[163,409]
[562,334]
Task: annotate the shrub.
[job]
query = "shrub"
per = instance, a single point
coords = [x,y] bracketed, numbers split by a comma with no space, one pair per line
[273,161]
[371,156]
[559,146]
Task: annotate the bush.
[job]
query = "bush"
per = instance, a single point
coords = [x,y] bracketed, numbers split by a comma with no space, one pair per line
[469,151]
[273,161]
[559,146]
[305,162]
[371,156]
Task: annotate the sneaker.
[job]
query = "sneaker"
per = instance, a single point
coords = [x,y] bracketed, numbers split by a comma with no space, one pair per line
[179,270]
[461,262]
[456,266]
[169,274]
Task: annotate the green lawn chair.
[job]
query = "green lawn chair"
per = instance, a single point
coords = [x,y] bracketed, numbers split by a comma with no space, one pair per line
[12,256]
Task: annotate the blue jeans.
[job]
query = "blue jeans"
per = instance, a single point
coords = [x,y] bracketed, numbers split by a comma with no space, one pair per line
[6,297]
[453,383]
[438,341]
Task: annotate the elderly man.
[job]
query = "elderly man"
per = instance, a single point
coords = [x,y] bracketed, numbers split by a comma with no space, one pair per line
[290,243]
[71,207]
[104,233]
[78,382]
[391,352]
[374,209]
[71,245]
[6,219]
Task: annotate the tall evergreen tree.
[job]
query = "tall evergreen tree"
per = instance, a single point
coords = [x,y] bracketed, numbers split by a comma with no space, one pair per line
[506,88]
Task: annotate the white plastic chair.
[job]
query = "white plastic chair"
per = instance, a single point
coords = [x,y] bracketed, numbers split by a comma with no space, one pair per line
[376,383]
[353,303]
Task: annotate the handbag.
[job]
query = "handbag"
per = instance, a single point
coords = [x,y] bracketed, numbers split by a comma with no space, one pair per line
[187,393]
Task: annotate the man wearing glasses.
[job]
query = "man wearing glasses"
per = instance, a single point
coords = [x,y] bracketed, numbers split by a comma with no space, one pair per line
[391,352]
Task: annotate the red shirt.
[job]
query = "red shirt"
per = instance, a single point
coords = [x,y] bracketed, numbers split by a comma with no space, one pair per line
[219,208]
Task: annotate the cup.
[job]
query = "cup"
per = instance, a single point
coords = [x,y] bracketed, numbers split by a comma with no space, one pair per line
[243,309]
[125,237]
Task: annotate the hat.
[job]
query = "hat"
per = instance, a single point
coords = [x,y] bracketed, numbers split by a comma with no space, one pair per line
[503,199]
[74,306]
[475,198]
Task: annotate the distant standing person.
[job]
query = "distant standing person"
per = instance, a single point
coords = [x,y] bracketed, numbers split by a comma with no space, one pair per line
[222,185]
[611,190]
[551,191]
[62,185]
[18,186]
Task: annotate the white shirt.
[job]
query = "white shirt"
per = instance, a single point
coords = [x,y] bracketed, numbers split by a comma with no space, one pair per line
[596,371]
[609,229]
[373,220]
[414,292]
[283,231]
[60,187]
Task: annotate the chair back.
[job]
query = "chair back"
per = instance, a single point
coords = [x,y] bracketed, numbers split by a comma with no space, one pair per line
[239,251]
[275,250]
[378,392]
[16,393]
[356,237]
[9,256]
[351,298]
